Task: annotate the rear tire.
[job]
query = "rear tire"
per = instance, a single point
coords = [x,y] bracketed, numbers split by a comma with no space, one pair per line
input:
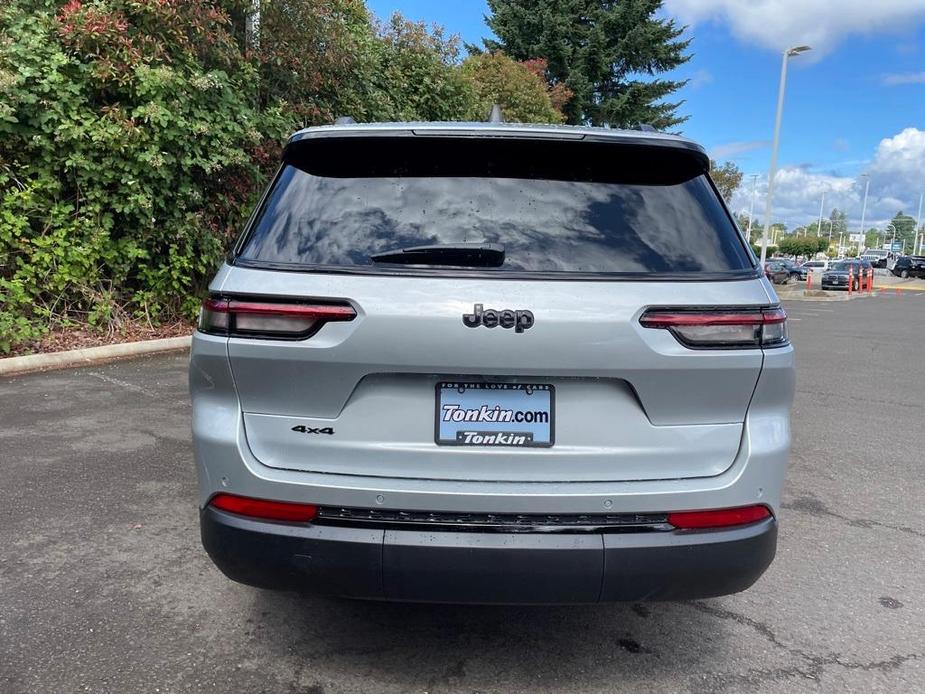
[904,274]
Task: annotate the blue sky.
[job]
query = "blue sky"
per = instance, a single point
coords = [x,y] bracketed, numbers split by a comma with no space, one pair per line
[855,104]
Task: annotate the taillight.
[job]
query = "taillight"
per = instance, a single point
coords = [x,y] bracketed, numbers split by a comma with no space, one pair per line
[264,509]
[718,518]
[265,319]
[732,328]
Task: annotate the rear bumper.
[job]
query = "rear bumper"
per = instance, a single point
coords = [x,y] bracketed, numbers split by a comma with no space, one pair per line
[488,567]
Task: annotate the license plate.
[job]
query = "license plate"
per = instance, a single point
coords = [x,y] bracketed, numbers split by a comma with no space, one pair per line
[495,414]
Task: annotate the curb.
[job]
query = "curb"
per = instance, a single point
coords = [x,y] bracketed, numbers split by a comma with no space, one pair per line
[89,355]
[800,295]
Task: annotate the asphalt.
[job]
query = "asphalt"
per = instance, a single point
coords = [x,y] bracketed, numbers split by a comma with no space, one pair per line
[104,586]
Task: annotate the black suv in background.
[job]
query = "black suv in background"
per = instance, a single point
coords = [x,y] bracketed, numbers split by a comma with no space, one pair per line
[909,266]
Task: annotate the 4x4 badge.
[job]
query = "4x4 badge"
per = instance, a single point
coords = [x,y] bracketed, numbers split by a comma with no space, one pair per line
[519,320]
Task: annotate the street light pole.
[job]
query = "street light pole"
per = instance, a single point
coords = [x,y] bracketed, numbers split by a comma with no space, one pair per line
[863,212]
[819,225]
[751,207]
[893,239]
[796,50]
[917,248]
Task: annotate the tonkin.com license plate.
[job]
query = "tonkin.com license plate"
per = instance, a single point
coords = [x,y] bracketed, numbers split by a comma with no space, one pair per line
[495,414]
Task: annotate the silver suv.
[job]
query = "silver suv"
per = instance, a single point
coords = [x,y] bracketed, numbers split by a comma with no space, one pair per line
[464,362]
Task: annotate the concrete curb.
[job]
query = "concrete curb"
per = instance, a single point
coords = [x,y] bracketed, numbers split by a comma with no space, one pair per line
[817,295]
[89,355]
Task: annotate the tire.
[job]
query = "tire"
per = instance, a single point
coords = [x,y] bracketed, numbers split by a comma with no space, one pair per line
[904,274]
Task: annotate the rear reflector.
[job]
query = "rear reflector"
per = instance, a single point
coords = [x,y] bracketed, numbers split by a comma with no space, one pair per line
[263,509]
[269,320]
[718,518]
[721,328]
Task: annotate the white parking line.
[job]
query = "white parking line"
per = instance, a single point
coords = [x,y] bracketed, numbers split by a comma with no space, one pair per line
[122,384]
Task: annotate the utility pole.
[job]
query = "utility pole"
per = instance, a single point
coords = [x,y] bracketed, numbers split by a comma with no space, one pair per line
[863,212]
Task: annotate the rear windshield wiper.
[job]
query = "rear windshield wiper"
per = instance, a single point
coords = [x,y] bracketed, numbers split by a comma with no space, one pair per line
[460,254]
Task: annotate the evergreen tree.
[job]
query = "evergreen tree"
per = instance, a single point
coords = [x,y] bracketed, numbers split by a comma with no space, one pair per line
[905,229]
[598,49]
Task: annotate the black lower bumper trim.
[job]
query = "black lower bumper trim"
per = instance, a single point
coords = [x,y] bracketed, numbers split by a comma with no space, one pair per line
[435,565]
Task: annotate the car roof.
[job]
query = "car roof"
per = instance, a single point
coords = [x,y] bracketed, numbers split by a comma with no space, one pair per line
[502,130]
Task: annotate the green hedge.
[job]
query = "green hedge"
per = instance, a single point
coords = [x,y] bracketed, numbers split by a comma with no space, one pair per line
[129,146]
[135,135]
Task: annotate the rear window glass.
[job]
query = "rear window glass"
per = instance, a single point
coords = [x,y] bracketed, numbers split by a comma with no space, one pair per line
[555,207]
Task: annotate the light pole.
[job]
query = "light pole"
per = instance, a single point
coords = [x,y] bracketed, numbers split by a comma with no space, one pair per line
[917,247]
[863,212]
[751,207]
[796,50]
[885,232]
[819,225]
[831,226]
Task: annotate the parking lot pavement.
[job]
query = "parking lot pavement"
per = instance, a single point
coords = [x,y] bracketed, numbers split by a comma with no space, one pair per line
[104,587]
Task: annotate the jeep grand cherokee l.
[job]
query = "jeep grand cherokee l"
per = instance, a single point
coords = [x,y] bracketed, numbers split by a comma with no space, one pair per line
[491,363]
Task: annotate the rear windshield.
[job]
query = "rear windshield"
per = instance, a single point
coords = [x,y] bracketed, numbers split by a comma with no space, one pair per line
[555,207]
[842,267]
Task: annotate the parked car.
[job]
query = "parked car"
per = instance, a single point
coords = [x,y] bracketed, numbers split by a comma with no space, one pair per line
[429,371]
[814,266]
[878,257]
[909,266]
[792,267]
[777,272]
[837,276]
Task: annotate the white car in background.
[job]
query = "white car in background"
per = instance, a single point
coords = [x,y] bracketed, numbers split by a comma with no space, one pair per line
[817,267]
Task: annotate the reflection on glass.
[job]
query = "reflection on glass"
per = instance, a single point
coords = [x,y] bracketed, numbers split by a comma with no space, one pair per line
[544,225]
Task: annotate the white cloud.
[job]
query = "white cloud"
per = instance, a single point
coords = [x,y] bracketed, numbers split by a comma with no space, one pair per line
[777,24]
[730,150]
[898,78]
[700,78]
[897,178]
[899,166]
